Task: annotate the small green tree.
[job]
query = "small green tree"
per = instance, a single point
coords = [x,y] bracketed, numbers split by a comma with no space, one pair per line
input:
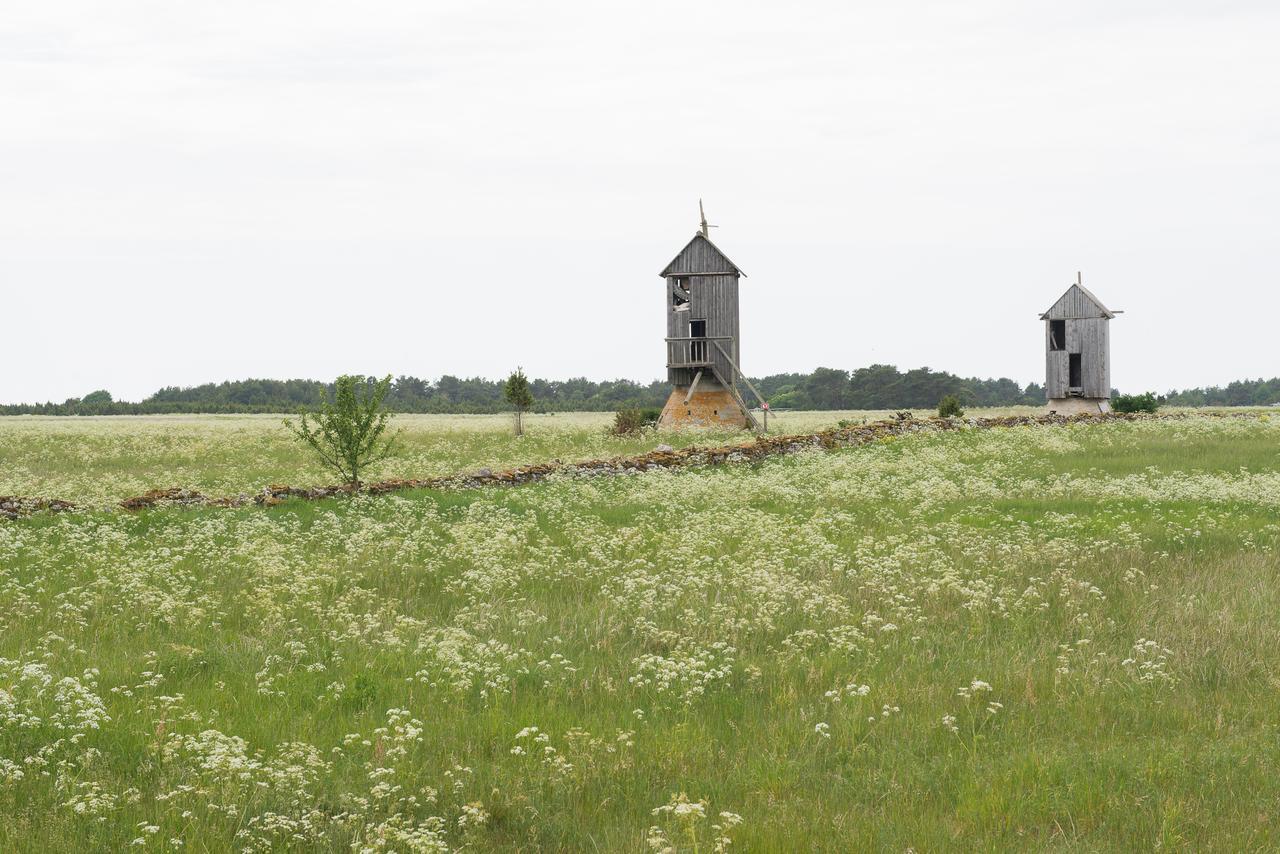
[346,432]
[949,407]
[516,392]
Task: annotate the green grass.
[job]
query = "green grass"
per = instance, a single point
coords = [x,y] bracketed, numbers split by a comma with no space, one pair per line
[704,616]
[102,460]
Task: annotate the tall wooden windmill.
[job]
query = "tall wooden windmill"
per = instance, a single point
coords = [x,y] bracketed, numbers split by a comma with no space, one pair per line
[702,337]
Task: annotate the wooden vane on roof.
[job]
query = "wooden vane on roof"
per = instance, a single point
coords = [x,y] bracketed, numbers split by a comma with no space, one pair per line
[702,215]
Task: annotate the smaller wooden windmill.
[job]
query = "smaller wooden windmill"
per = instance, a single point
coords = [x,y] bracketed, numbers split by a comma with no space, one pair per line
[1078,352]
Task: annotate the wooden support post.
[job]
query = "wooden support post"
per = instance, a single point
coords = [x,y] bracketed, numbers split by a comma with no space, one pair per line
[693,386]
[738,372]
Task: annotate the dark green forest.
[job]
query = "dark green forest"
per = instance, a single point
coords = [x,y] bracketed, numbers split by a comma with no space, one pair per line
[874,387]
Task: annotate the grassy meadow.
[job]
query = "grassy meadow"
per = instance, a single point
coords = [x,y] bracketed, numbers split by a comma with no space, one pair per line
[1062,638]
[101,460]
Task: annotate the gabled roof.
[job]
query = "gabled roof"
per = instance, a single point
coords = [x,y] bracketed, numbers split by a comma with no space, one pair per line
[1078,301]
[699,257]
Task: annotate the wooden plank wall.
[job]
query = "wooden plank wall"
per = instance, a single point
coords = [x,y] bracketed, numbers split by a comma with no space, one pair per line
[716,299]
[711,298]
[1090,338]
[677,327]
[1055,371]
[1095,358]
[1074,303]
[699,257]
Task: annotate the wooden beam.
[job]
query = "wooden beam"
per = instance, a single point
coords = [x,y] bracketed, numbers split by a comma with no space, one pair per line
[693,386]
[739,372]
[737,398]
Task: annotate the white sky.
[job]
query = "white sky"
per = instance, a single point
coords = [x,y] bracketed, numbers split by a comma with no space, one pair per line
[193,192]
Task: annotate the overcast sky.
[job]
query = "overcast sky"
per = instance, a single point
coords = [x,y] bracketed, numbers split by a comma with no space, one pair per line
[192,192]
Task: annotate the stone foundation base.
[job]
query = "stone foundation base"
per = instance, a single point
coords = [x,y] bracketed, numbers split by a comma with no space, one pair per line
[1079,405]
[709,407]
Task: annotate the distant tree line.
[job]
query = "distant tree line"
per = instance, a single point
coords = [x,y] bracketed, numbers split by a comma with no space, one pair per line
[1257,392]
[874,387]
[885,387]
[448,394]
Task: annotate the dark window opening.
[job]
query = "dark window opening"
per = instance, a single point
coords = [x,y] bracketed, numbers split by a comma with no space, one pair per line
[1057,335]
[1073,370]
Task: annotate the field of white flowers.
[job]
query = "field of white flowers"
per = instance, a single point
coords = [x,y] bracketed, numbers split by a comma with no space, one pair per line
[1040,637]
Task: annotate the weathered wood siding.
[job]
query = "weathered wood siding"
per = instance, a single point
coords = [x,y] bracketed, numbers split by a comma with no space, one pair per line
[1086,321]
[1074,303]
[1090,338]
[700,256]
[715,300]
[1055,371]
[713,297]
[677,327]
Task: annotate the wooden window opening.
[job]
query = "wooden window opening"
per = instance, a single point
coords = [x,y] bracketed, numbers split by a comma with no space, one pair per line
[680,294]
[1057,335]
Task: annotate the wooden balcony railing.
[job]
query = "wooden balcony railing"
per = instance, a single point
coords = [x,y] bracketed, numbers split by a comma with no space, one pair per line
[693,352]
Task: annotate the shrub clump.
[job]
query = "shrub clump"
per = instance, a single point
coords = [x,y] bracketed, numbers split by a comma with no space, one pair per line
[1135,403]
[628,422]
[949,407]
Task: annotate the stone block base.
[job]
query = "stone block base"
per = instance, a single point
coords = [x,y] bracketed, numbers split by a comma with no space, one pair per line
[709,407]
[1079,405]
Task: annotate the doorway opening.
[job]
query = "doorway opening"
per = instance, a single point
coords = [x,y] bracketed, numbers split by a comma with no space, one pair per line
[1073,370]
[698,346]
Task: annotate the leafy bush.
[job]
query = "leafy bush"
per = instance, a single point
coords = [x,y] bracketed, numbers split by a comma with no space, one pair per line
[949,407]
[630,421]
[1135,403]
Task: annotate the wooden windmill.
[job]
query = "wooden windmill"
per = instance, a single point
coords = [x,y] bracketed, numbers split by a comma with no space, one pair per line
[702,337]
[1078,352]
